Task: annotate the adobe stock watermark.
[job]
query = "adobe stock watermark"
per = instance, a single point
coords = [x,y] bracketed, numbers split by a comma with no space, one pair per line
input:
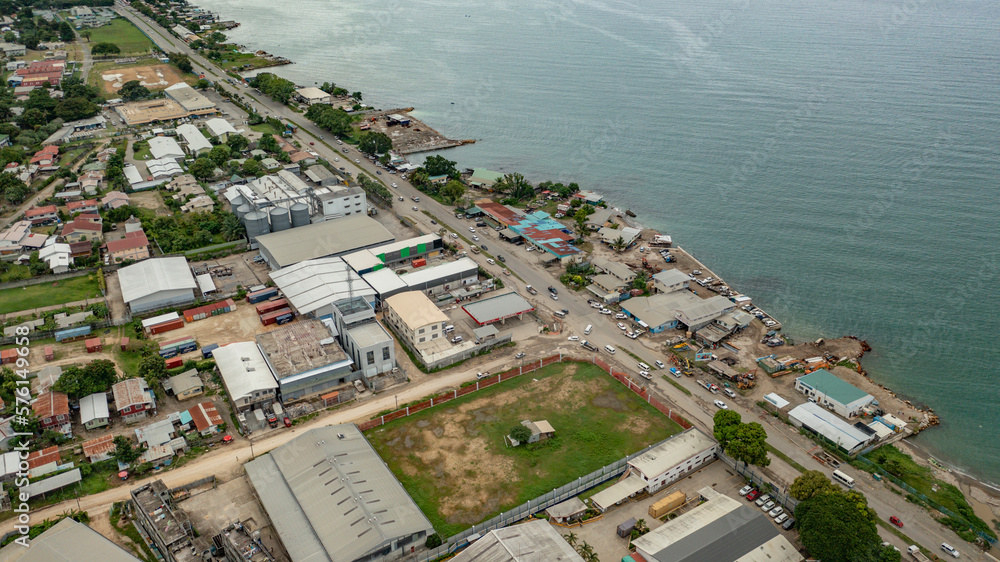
[22,410]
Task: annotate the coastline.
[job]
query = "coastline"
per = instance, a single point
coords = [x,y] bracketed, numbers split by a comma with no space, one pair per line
[972,479]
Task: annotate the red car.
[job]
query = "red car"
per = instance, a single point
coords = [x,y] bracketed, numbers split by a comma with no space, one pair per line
[288,422]
[754,494]
[896,521]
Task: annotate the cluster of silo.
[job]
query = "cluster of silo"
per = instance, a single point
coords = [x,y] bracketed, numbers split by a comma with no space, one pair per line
[274,219]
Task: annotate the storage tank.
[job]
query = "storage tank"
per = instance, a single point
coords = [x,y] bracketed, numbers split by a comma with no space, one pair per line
[256,223]
[300,215]
[242,211]
[279,219]
[237,201]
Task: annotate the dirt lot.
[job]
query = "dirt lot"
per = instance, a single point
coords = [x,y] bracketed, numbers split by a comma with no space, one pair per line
[149,200]
[241,325]
[418,137]
[243,271]
[455,463]
[155,77]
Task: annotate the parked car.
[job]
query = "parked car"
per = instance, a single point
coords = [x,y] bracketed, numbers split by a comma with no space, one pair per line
[288,422]
[490,261]
[729,392]
[949,549]
[554,296]
[781,518]
[605,311]
[482,374]
[752,495]
[620,316]
[775,512]
[746,490]
[499,257]
[767,506]
[622,326]
[762,500]
[721,405]
[645,375]
[472,229]
[659,364]
[456,339]
[519,355]
[272,420]
[788,524]
[574,338]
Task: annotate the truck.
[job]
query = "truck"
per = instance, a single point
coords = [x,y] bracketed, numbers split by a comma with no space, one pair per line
[531,289]
[588,346]
[915,553]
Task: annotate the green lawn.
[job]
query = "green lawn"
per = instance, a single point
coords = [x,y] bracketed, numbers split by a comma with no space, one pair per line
[47,294]
[455,464]
[266,128]
[121,32]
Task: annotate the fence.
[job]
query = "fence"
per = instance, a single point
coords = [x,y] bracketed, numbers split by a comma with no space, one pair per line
[777,494]
[538,504]
[42,279]
[874,467]
[44,334]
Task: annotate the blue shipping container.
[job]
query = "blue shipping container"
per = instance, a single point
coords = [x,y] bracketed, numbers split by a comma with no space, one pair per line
[260,296]
[168,353]
[206,352]
[72,333]
[285,318]
[188,347]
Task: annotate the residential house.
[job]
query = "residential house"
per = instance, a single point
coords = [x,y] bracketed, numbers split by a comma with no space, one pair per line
[57,256]
[106,154]
[220,128]
[10,239]
[77,231]
[91,181]
[47,377]
[199,204]
[185,185]
[99,449]
[270,164]
[92,218]
[81,249]
[114,200]
[47,157]
[132,224]
[206,418]
[94,410]
[133,399]
[134,246]
[86,206]
[185,385]
[43,461]
[52,411]
[42,215]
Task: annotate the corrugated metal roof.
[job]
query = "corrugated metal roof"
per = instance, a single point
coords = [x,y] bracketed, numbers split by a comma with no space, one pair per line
[322,239]
[94,407]
[312,284]
[496,308]
[833,387]
[828,424]
[672,452]
[151,276]
[534,541]
[241,377]
[67,541]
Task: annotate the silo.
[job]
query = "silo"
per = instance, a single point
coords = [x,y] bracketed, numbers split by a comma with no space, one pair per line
[242,211]
[300,215]
[237,201]
[279,219]
[256,223]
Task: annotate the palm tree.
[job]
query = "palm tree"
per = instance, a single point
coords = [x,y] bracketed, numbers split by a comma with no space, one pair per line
[619,244]
[515,186]
[570,539]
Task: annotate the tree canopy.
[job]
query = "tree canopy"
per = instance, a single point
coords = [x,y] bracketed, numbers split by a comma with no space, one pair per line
[441,166]
[372,142]
[97,376]
[133,90]
[745,442]
[333,119]
[273,86]
[810,483]
[105,49]
[203,168]
[515,186]
[840,527]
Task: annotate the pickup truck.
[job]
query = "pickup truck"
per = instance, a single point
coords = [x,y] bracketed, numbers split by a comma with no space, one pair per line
[531,289]
[915,553]
[588,346]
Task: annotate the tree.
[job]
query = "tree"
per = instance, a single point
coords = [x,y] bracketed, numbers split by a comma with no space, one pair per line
[520,433]
[181,61]
[252,167]
[333,119]
[453,190]
[105,49]
[356,96]
[371,143]
[202,84]
[203,168]
[85,34]
[440,166]
[97,376]
[72,109]
[433,541]
[32,118]
[619,244]
[237,143]
[810,483]
[515,186]
[571,539]
[231,228]
[66,33]
[839,527]
[277,88]
[124,451]
[133,90]
[220,154]
[152,368]
[267,143]
[747,443]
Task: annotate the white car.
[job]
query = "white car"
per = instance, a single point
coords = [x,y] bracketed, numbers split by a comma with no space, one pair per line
[645,375]
[356,161]
[476,238]
[745,490]
[659,365]
[767,506]
[643,367]
[394,185]
[781,518]
[574,338]
[414,208]
[490,261]
[721,405]
[453,235]
[472,229]
[554,296]
[949,549]
[763,499]
[775,512]
[456,339]
[622,326]
[596,305]
[620,316]
[605,311]
[482,374]
[729,392]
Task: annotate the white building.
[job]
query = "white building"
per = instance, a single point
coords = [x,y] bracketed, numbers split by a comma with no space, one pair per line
[57,256]
[313,286]
[415,318]
[157,283]
[835,393]
[165,147]
[670,280]
[220,128]
[313,95]
[343,201]
[196,142]
[819,421]
[246,376]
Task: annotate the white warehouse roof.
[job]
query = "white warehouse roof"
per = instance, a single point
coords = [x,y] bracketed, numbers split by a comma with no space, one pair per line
[243,369]
[429,274]
[312,284]
[674,451]
[192,136]
[829,425]
[165,147]
[151,276]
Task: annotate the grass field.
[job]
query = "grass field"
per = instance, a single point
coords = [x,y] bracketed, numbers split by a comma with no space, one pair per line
[121,32]
[454,462]
[48,294]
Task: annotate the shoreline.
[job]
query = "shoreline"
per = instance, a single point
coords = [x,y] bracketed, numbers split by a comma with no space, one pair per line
[991,488]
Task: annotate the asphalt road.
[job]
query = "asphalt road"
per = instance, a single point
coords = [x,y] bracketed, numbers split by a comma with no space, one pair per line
[699,409]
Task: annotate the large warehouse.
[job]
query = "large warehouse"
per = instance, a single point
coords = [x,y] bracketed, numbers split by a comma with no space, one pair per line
[157,283]
[246,375]
[305,359]
[820,421]
[498,309]
[719,529]
[322,239]
[432,281]
[67,541]
[533,541]
[312,286]
[329,484]
[833,392]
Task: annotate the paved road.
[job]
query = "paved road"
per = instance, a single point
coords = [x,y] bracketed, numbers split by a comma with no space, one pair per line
[919,525]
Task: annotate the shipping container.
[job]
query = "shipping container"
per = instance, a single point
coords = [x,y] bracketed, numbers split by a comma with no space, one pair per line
[667,504]
[174,362]
[213,309]
[166,326]
[168,353]
[72,333]
[8,356]
[49,354]
[285,319]
[419,262]
[94,345]
[272,317]
[175,342]
[271,306]
[206,352]
[262,295]
[125,342]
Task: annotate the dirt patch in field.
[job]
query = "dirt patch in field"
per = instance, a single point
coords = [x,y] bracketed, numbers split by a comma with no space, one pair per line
[156,77]
[149,200]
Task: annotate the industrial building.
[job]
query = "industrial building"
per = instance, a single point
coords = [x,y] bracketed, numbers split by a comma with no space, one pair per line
[328,484]
[169,528]
[445,280]
[313,95]
[67,541]
[533,541]
[395,253]
[416,320]
[305,358]
[190,99]
[719,529]
[319,240]
[821,422]
[313,286]
[196,142]
[246,376]
[362,337]
[661,466]
[665,311]
[498,309]
[834,393]
[157,283]
[165,147]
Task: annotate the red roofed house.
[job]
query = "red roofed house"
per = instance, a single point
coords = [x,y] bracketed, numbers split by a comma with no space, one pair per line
[206,418]
[78,231]
[91,217]
[52,410]
[133,399]
[114,199]
[41,215]
[46,460]
[77,207]
[99,449]
[135,246]
[47,156]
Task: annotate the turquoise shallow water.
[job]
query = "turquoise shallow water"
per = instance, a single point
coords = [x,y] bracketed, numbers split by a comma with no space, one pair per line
[838,161]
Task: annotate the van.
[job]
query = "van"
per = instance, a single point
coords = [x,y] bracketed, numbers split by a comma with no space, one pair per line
[609,349]
[558,313]
[643,366]
[587,330]
[449,328]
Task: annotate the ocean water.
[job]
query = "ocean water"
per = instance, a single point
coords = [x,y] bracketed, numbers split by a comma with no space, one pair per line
[838,161]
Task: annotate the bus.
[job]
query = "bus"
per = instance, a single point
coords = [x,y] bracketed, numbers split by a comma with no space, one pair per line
[844,479]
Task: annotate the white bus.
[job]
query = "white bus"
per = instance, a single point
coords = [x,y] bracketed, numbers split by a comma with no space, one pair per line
[844,479]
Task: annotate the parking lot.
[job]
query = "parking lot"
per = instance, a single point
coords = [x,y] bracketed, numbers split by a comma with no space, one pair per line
[602,535]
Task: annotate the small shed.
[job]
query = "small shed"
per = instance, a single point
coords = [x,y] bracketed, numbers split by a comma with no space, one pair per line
[569,510]
[488,332]
[125,342]
[94,345]
[50,355]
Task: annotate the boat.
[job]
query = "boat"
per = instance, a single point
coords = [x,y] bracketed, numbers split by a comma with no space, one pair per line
[629,213]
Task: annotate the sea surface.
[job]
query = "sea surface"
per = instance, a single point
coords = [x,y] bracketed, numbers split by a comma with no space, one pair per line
[838,161]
